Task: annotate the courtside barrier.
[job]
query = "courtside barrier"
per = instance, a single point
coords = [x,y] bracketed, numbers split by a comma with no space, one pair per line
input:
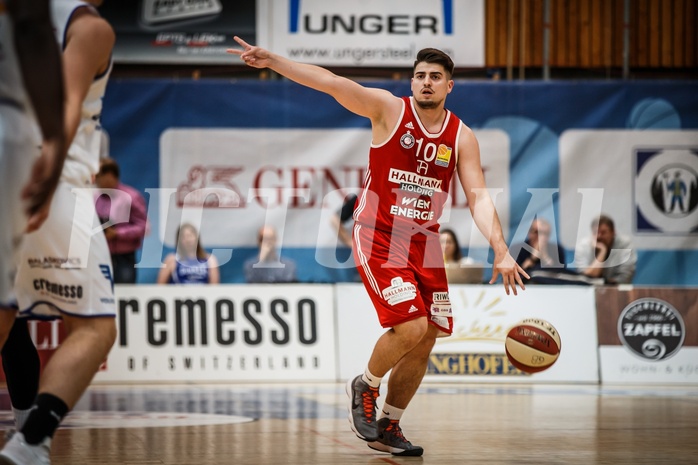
[483,315]
[301,332]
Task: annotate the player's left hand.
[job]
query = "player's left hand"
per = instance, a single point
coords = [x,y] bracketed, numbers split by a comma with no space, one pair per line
[511,272]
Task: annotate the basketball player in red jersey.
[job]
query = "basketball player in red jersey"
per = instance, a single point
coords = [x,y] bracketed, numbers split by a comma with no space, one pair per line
[417,146]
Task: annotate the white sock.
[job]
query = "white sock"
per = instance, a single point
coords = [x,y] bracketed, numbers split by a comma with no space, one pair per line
[20,417]
[393,413]
[371,379]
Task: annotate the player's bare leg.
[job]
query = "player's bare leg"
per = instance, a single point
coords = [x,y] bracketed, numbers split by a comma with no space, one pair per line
[388,351]
[409,371]
[63,381]
[395,343]
[405,378]
[78,358]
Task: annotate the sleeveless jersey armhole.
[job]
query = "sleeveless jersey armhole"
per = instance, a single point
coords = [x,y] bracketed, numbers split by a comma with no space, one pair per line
[392,133]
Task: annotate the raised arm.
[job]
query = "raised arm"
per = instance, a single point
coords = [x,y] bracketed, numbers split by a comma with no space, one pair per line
[379,105]
[40,64]
[484,214]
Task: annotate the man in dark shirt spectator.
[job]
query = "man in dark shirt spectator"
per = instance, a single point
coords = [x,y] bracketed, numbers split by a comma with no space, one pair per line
[126,209]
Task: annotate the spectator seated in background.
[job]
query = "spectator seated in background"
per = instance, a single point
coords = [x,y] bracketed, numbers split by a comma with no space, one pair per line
[459,269]
[605,254]
[544,260]
[537,252]
[268,266]
[191,264]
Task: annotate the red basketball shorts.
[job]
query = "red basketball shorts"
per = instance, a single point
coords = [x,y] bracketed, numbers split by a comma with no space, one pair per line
[404,278]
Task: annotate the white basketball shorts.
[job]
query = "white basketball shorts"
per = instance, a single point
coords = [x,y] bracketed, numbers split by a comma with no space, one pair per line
[65,266]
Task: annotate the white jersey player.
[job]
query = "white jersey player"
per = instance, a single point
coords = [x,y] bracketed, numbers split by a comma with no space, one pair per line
[64,267]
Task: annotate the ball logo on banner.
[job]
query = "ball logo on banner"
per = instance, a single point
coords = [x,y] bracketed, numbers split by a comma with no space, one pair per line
[666,190]
[651,329]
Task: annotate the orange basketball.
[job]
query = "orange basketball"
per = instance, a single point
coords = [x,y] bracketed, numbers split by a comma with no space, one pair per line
[532,345]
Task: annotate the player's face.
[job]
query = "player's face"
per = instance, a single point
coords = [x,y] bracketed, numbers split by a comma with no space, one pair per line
[430,85]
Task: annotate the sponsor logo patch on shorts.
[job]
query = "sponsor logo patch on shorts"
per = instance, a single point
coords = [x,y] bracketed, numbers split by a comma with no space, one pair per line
[441,305]
[399,291]
[54,262]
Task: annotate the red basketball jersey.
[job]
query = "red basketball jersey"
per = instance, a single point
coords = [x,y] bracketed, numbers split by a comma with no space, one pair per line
[408,176]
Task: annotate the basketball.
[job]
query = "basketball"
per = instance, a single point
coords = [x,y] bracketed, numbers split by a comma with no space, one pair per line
[532,345]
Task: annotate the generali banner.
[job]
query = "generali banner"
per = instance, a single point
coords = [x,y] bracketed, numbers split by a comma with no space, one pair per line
[230,182]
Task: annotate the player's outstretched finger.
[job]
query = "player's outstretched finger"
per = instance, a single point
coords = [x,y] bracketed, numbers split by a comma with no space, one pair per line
[242,42]
[523,272]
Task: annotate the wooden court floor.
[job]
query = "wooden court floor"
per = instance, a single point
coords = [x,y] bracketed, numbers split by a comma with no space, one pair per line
[304,424]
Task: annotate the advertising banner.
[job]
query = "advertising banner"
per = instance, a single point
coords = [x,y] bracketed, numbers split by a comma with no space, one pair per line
[553,147]
[233,181]
[178,31]
[482,318]
[648,335]
[373,32]
[223,333]
[648,185]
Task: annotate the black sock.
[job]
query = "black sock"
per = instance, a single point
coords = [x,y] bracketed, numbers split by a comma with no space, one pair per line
[20,360]
[46,415]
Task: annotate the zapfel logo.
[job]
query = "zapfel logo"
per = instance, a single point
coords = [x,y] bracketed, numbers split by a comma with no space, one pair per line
[651,329]
[369,22]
